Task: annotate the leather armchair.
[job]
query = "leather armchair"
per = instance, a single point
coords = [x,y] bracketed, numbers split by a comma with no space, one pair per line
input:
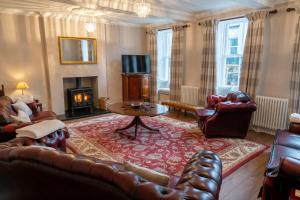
[34,173]
[228,116]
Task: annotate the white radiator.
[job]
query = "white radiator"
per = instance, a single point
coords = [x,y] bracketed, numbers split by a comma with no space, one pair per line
[271,113]
[190,95]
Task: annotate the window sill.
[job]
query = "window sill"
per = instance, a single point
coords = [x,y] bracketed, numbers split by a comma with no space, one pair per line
[163,90]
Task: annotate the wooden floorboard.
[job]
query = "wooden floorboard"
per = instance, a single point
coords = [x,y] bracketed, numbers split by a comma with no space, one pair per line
[245,182]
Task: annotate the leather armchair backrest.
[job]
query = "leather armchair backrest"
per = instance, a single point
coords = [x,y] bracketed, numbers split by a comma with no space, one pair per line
[238,96]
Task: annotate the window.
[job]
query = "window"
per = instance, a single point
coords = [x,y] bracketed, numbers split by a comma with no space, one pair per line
[164,46]
[230,47]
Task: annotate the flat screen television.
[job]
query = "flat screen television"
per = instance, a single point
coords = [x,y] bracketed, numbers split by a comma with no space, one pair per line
[136,64]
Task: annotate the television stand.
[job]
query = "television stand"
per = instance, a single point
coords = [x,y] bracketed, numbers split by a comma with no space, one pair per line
[136,87]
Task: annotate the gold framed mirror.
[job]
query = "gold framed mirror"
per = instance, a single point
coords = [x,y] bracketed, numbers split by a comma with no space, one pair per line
[77,50]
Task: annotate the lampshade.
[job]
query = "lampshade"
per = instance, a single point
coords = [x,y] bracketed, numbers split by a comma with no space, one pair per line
[22,86]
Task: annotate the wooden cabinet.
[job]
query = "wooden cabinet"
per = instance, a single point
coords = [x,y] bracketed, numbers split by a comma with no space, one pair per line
[136,87]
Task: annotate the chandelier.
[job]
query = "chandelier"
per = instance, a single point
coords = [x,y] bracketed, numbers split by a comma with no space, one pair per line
[91,14]
[90,27]
[142,8]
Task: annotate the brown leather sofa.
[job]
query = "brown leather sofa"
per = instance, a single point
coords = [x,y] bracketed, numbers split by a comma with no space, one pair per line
[228,116]
[7,128]
[282,175]
[30,173]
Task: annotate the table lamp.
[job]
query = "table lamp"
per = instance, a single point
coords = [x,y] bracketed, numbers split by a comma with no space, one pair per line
[22,86]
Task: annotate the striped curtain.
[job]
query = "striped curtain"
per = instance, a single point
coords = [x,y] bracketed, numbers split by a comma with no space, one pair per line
[152,51]
[177,58]
[253,52]
[294,101]
[208,67]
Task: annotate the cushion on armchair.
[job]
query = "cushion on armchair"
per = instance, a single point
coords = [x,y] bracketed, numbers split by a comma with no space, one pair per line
[20,105]
[22,117]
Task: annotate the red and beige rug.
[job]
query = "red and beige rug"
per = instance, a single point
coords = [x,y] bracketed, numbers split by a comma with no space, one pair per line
[166,152]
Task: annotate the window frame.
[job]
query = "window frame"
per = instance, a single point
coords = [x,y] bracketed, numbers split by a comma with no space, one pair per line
[224,52]
[163,59]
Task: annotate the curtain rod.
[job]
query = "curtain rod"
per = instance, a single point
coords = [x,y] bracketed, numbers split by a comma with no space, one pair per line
[232,18]
[163,29]
[290,9]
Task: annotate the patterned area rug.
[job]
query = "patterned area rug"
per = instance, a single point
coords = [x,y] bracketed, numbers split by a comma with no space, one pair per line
[166,152]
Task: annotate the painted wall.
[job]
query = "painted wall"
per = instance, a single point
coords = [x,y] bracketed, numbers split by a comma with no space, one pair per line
[21,57]
[29,52]
[121,40]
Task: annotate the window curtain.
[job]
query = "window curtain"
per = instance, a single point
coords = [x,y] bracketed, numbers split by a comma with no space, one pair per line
[152,51]
[294,101]
[253,52]
[177,58]
[208,67]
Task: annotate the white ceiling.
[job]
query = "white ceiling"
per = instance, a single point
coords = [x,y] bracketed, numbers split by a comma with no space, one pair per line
[163,11]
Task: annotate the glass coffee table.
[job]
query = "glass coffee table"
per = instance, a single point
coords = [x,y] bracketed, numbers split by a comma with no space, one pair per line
[138,110]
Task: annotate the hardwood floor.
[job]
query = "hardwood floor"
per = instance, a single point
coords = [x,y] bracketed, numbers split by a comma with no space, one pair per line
[244,183]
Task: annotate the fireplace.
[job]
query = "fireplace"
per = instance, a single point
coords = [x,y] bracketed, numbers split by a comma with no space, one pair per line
[80,98]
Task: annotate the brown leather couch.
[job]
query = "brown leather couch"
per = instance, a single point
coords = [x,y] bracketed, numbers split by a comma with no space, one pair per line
[7,128]
[30,173]
[228,116]
[282,175]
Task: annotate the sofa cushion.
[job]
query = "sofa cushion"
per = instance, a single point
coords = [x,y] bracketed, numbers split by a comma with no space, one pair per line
[45,115]
[6,110]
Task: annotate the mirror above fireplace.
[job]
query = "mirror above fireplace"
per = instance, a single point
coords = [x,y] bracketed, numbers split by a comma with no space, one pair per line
[77,50]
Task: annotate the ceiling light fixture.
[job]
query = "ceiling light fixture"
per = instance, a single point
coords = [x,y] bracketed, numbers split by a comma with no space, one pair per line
[89,12]
[92,14]
[142,8]
[90,26]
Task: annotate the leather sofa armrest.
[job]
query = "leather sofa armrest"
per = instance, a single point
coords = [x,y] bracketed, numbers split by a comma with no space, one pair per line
[236,106]
[287,171]
[294,128]
[202,172]
[12,127]
[33,106]
[290,168]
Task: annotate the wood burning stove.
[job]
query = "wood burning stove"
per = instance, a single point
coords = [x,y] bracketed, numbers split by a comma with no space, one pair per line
[80,98]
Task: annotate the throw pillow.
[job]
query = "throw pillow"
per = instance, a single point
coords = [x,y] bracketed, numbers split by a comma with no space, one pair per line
[20,105]
[26,98]
[22,117]
[148,174]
